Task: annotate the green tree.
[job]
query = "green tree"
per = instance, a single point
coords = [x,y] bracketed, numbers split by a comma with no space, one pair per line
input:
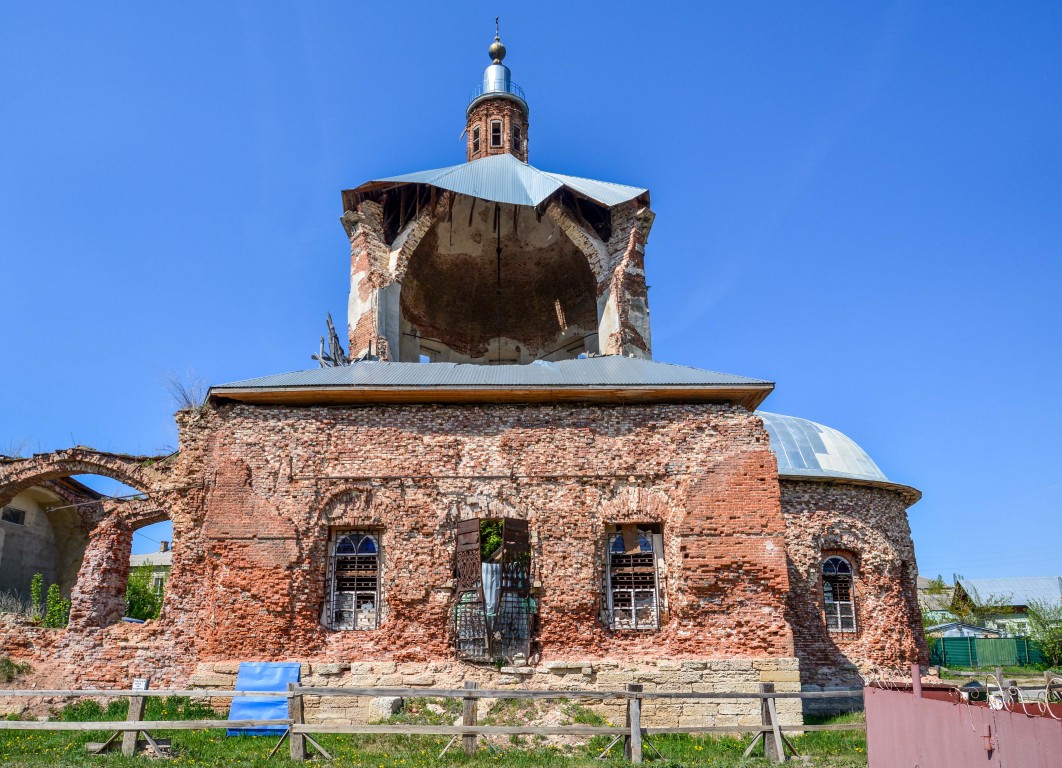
[970,607]
[141,599]
[937,586]
[1045,627]
[490,538]
[57,609]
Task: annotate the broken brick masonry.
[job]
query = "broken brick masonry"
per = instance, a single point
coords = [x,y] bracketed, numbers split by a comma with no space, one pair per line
[255,490]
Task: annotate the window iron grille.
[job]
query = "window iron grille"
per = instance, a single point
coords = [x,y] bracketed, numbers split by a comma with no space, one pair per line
[837,598]
[354,581]
[633,586]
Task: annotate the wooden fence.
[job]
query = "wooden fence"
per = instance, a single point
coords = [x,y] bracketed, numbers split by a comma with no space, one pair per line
[300,734]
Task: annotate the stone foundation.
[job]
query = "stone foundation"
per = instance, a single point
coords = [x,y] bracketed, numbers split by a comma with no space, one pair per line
[723,675]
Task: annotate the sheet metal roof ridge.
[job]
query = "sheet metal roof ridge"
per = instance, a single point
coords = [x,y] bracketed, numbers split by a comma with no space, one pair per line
[1017,587]
[513,167]
[483,376]
[963,624]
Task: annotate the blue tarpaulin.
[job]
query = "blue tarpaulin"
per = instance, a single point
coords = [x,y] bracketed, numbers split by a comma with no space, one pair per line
[262,676]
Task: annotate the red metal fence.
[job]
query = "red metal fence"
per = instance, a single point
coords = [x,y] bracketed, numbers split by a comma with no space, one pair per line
[936,727]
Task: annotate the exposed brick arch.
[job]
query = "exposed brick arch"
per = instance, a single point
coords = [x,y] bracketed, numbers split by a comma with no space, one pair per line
[637,505]
[406,243]
[138,472]
[583,239]
[348,506]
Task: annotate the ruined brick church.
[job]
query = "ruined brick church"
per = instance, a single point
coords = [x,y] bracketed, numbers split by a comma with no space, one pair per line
[497,481]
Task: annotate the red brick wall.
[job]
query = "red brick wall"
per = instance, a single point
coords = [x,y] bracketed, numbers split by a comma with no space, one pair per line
[274,476]
[509,113]
[869,527]
[255,491]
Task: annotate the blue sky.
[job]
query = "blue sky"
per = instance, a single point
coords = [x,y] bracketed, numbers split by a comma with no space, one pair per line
[861,202]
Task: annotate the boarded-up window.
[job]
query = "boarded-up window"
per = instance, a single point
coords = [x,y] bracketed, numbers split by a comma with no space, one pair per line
[837,595]
[633,588]
[494,613]
[354,581]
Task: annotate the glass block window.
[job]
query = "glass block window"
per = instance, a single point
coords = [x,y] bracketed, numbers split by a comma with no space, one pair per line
[837,595]
[354,580]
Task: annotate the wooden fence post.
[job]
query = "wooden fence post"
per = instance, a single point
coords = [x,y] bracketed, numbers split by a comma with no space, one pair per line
[469,716]
[773,749]
[136,712]
[295,715]
[632,744]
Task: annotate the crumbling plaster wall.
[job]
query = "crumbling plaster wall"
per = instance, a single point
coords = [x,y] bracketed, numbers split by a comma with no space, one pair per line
[50,540]
[868,526]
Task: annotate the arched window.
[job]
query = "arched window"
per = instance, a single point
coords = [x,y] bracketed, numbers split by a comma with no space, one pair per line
[633,586]
[354,575]
[475,140]
[837,595]
[495,133]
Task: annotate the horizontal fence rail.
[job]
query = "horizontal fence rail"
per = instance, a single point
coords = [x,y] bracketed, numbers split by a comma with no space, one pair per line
[300,734]
[438,693]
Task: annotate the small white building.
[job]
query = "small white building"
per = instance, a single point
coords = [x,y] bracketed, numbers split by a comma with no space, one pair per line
[159,562]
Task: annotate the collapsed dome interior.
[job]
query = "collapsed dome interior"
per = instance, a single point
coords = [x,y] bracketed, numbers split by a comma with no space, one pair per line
[496,283]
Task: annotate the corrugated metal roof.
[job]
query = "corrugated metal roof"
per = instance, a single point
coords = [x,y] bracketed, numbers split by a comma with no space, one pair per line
[1016,591]
[814,450]
[607,371]
[505,179]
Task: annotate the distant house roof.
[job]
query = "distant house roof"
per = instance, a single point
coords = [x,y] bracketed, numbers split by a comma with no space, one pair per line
[610,378]
[157,559]
[1016,591]
[935,601]
[962,629]
[505,179]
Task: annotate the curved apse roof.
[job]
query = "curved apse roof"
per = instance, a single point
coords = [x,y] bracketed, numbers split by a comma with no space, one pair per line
[804,448]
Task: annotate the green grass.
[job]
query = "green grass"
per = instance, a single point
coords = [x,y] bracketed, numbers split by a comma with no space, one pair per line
[1034,670]
[28,749]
